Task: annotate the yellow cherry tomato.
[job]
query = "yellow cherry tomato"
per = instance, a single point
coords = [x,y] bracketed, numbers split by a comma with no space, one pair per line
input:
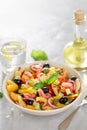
[9,82]
[12,87]
[30,107]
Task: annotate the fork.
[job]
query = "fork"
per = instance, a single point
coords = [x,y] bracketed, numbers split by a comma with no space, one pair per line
[64,124]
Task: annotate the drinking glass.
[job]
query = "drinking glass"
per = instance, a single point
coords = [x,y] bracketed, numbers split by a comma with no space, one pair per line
[12,53]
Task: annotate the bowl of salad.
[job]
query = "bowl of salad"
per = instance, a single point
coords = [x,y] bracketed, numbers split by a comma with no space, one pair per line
[43,87]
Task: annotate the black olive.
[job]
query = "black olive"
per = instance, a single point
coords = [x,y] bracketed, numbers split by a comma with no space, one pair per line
[29,102]
[17,81]
[73,78]
[22,95]
[45,90]
[63,100]
[46,65]
[37,94]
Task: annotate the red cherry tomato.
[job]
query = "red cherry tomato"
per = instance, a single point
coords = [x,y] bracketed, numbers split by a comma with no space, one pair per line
[61,79]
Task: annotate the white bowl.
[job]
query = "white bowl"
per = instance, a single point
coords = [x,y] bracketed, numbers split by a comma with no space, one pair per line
[71,72]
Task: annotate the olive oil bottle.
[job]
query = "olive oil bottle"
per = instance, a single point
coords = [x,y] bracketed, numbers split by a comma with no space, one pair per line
[75,53]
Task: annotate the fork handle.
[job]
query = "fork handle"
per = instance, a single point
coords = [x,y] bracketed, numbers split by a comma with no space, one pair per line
[67,121]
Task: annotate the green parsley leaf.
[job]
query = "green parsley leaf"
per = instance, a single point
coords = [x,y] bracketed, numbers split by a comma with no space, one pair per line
[48,81]
[55,101]
[1,94]
[52,78]
[38,85]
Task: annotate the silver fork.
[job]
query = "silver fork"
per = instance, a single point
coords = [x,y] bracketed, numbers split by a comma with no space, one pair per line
[64,124]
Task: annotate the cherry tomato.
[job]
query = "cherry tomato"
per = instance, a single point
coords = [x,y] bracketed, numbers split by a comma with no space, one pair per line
[61,78]
[12,87]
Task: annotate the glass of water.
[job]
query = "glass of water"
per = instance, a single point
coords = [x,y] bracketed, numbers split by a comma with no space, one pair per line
[12,53]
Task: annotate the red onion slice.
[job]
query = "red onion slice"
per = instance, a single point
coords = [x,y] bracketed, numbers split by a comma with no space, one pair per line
[50,104]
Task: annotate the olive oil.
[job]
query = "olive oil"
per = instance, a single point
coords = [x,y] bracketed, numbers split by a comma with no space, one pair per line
[75,53]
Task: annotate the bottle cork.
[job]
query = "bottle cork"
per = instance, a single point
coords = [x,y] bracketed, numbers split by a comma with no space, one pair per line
[79,16]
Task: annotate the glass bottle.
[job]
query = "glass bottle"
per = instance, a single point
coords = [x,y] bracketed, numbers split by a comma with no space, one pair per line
[75,53]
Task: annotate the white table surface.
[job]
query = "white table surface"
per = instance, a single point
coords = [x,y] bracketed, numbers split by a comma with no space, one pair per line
[45,25]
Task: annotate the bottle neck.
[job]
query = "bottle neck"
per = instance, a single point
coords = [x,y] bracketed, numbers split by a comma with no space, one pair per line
[79,32]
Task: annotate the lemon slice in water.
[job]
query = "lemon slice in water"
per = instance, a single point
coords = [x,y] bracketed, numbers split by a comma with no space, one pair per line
[11,49]
[6,55]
